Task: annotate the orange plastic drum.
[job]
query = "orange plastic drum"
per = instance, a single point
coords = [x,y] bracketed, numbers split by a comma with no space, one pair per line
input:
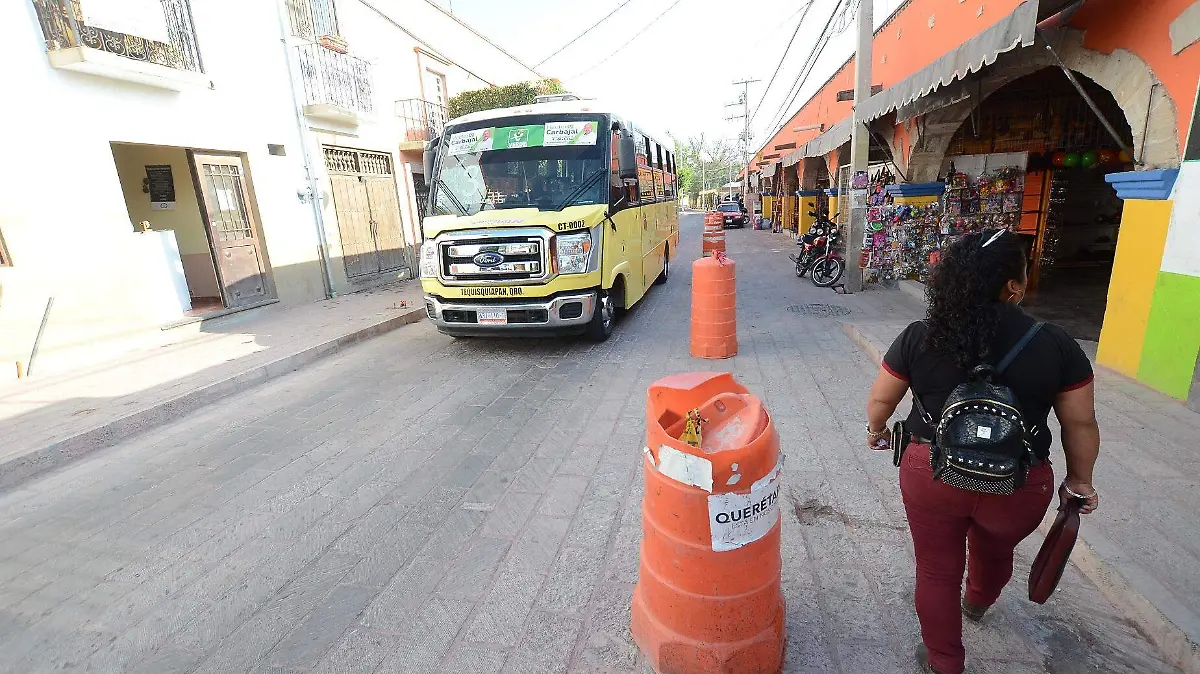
[714,234]
[714,307]
[708,597]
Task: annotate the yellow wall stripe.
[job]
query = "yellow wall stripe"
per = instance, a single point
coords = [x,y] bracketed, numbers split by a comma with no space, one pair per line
[1139,255]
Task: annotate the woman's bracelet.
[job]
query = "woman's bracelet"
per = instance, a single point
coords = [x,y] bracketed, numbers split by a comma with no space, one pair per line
[1071,492]
[876,434]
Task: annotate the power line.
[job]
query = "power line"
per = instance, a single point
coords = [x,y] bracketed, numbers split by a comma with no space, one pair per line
[628,42]
[576,38]
[814,55]
[433,50]
[481,36]
[781,59]
[810,62]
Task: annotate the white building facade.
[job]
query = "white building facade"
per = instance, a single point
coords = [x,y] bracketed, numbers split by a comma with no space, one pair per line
[183,159]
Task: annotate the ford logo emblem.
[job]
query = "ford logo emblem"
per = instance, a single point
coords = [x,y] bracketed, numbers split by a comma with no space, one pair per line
[487,259]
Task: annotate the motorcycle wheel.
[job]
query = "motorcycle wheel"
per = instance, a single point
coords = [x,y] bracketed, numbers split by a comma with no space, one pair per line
[827,271]
[803,266]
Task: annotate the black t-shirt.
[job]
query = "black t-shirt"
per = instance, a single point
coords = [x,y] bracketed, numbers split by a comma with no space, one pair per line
[1050,364]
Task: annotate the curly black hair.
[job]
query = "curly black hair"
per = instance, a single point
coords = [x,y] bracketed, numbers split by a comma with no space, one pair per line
[964,294]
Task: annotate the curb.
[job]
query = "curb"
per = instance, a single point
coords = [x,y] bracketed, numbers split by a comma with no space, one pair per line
[21,468]
[1174,643]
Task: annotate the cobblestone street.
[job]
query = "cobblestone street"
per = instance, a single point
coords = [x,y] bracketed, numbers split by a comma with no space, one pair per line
[423,504]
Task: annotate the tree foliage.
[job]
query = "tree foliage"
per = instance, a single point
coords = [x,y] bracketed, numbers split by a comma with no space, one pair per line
[521,93]
[704,164]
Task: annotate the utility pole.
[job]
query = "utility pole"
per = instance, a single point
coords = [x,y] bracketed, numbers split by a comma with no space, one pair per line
[744,138]
[860,146]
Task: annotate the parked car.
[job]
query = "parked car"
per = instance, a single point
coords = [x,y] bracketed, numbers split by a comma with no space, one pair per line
[734,215]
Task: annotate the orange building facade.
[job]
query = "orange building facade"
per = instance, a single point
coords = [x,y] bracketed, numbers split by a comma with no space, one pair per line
[1049,86]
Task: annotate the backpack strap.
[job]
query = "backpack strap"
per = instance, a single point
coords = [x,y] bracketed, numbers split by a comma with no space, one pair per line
[1020,346]
[925,416]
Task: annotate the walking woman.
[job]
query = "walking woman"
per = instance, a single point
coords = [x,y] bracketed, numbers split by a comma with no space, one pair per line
[974,319]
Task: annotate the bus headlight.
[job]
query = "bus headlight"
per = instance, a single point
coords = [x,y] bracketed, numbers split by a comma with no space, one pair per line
[429,262]
[572,252]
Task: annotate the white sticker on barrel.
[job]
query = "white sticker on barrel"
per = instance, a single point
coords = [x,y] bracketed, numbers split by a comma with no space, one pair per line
[984,432]
[686,468]
[741,519]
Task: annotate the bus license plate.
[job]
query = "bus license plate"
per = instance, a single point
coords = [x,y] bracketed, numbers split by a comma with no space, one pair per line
[493,316]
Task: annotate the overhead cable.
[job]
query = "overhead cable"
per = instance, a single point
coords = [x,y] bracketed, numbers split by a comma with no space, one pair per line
[576,38]
[781,59]
[627,42]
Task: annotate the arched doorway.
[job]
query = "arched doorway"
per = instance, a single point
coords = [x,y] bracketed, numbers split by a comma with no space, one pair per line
[1069,214]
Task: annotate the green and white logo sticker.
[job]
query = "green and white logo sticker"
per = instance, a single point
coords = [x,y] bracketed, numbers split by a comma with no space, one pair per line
[550,134]
[470,142]
[570,133]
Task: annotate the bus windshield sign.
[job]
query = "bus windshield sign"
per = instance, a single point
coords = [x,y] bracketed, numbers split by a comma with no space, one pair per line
[550,134]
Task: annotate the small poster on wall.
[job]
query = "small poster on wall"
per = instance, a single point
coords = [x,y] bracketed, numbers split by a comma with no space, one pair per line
[160,183]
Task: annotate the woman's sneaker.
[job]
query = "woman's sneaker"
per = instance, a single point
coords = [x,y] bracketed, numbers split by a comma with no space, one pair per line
[923,660]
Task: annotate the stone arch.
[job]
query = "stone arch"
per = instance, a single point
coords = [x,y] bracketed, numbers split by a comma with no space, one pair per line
[1147,106]
[814,170]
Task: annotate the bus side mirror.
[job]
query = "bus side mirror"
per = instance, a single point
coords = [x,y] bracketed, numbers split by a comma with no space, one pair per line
[627,158]
[427,158]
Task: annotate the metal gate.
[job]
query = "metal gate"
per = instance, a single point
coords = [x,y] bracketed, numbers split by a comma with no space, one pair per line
[368,210]
[421,194]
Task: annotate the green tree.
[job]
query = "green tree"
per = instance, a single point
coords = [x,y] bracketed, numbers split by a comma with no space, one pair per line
[704,163]
[521,93]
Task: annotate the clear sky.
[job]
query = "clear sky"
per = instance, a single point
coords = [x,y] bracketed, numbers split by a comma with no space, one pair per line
[678,75]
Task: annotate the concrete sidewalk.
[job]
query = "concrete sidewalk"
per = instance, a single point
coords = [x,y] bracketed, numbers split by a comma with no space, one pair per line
[1142,548]
[46,422]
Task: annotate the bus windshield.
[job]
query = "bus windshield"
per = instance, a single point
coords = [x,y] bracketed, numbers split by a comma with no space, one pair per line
[547,164]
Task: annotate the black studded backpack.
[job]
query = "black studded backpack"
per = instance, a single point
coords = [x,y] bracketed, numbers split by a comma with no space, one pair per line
[980,442]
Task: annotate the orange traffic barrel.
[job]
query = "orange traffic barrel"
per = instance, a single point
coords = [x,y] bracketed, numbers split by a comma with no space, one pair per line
[708,598]
[714,234]
[714,307]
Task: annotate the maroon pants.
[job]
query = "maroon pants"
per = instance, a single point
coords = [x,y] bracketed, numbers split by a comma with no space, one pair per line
[945,521]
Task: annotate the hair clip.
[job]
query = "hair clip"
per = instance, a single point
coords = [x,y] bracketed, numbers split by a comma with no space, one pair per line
[995,236]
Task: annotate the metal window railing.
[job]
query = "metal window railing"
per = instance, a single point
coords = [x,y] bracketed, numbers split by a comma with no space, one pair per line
[333,78]
[423,120]
[64,27]
[311,19]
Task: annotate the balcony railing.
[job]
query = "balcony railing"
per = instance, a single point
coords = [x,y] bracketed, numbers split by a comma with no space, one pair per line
[333,79]
[311,19]
[64,27]
[423,120]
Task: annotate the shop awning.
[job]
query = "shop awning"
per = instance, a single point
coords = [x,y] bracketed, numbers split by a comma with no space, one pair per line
[769,170]
[1015,30]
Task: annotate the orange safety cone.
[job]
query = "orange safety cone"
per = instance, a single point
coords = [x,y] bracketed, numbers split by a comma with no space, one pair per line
[714,307]
[708,598]
[714,234]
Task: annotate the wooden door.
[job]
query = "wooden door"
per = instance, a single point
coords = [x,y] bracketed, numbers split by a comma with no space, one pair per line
[368,210]
[353,210]
[232,229]
[385,220]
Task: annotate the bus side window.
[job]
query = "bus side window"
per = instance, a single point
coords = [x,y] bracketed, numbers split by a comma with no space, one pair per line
[670,175]
[616,186]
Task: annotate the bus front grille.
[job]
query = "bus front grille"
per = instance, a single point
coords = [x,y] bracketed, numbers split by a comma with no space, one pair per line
[515,258]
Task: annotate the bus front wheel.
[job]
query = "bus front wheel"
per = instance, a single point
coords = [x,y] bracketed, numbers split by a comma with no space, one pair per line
[603,317]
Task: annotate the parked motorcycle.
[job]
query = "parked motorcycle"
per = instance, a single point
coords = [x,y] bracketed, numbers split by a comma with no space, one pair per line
[818,259]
